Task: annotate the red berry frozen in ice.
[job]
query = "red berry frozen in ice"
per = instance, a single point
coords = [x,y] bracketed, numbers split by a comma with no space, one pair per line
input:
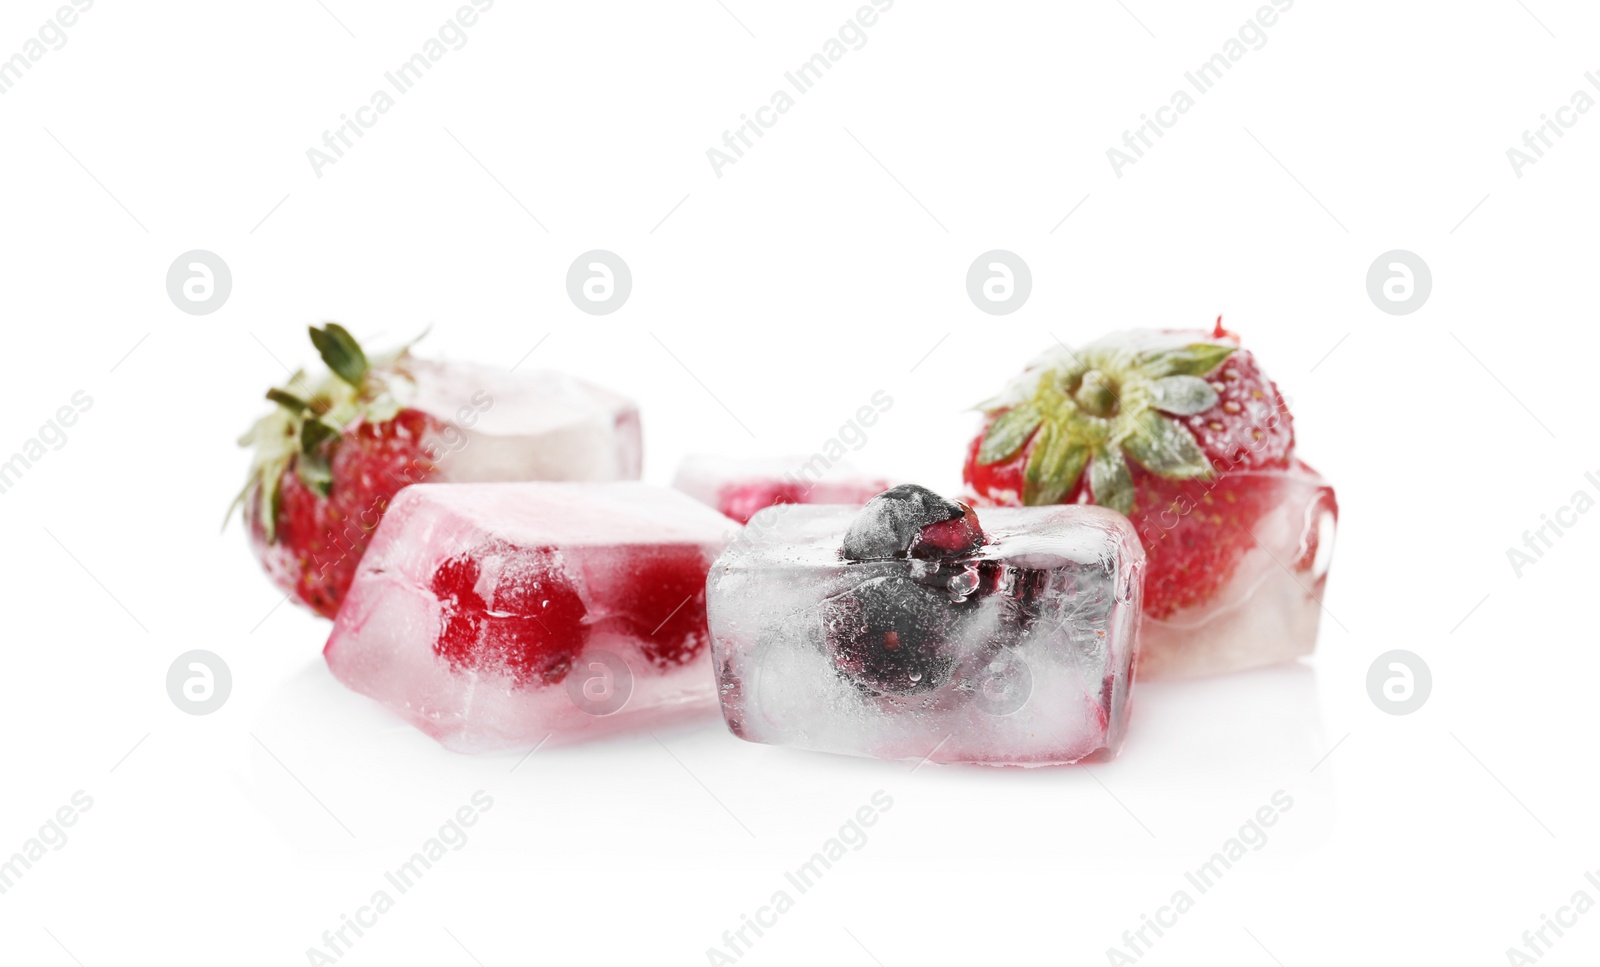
[911,519]
[510,611]
[667,611]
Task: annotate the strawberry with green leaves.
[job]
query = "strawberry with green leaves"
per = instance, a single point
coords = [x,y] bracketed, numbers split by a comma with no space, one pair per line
[328,460]
[1179,430]
[337,448]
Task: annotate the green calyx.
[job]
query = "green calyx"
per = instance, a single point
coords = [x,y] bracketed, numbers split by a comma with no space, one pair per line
[1095,409]
[310,417]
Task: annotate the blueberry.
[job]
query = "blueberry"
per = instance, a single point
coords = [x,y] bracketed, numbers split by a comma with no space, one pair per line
[891,523]
[891,634]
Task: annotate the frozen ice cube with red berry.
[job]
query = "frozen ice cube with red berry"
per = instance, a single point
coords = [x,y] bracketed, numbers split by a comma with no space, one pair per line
[912,629]
[494,615]
[739,487]
[338,447]
[1183,432]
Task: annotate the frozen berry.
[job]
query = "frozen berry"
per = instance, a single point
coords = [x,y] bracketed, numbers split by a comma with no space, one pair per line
[528,624]
[667,611]
[891,634]
[949,538]
[892,524]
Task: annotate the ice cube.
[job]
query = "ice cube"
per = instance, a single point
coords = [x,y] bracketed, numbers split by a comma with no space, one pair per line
[1269,608]
[495,615]
[854,631]
[738,487]
[531,425]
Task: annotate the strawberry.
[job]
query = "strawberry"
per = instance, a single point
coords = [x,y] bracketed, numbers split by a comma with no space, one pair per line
[336,449]
[328,461]
[1181,431]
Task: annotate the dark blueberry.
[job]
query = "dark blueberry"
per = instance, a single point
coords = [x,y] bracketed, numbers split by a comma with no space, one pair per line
[892,522]
[893,635]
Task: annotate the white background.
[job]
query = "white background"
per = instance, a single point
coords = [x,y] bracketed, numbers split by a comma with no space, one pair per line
[827,264]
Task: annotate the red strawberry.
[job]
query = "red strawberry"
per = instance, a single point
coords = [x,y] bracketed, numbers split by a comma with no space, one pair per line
[1169,428]
[320,536]
[530,625]
[336,450]
[327,463]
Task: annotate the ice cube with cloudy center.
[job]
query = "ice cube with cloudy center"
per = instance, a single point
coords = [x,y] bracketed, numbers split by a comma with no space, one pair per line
[1022,651]
[491,616]
[741,486]
[522,425]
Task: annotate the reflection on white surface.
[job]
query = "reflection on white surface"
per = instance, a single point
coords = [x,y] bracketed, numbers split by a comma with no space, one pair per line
[1203,757]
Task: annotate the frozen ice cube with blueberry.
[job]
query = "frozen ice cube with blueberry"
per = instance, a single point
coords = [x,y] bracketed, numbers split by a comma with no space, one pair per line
[908,629]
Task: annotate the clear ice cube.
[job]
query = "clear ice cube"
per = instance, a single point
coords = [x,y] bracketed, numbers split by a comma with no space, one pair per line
[1270,607]
[739,487]
[497,615]
[1018,653]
